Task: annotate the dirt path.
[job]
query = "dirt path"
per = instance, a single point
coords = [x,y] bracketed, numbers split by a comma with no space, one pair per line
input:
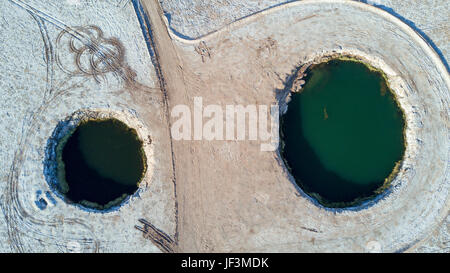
[174,88]
[233,197]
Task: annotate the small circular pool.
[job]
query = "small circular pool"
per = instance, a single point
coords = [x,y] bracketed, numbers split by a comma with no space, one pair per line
[343,133]
[100,163]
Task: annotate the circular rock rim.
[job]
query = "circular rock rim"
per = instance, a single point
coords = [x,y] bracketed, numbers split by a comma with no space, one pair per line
[295,84]
[396,87]
[62,132]
[387,214]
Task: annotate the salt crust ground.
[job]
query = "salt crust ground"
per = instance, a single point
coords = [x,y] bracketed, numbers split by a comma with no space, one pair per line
[276,41]
[404,219]
[194,18]
[37,95]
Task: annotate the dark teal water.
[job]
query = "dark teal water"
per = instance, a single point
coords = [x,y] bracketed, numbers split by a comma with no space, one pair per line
[343,134]
[103,161]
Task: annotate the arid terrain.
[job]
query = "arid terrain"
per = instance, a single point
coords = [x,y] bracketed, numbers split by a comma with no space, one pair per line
[219,195]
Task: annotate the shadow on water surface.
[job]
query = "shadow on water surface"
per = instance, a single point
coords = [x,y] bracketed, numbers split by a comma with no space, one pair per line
[335,192]
[83,185]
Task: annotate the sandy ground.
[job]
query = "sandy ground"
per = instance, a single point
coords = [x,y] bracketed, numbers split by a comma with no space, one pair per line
[43,85]
[194,18]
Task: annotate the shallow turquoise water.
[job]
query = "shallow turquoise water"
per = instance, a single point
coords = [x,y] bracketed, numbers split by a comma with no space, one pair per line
[343,134]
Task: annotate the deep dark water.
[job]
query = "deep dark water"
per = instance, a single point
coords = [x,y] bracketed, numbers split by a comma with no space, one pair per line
[103,162]
[343,134]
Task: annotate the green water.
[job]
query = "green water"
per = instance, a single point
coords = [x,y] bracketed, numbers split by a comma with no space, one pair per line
[343,134]
[103,162]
